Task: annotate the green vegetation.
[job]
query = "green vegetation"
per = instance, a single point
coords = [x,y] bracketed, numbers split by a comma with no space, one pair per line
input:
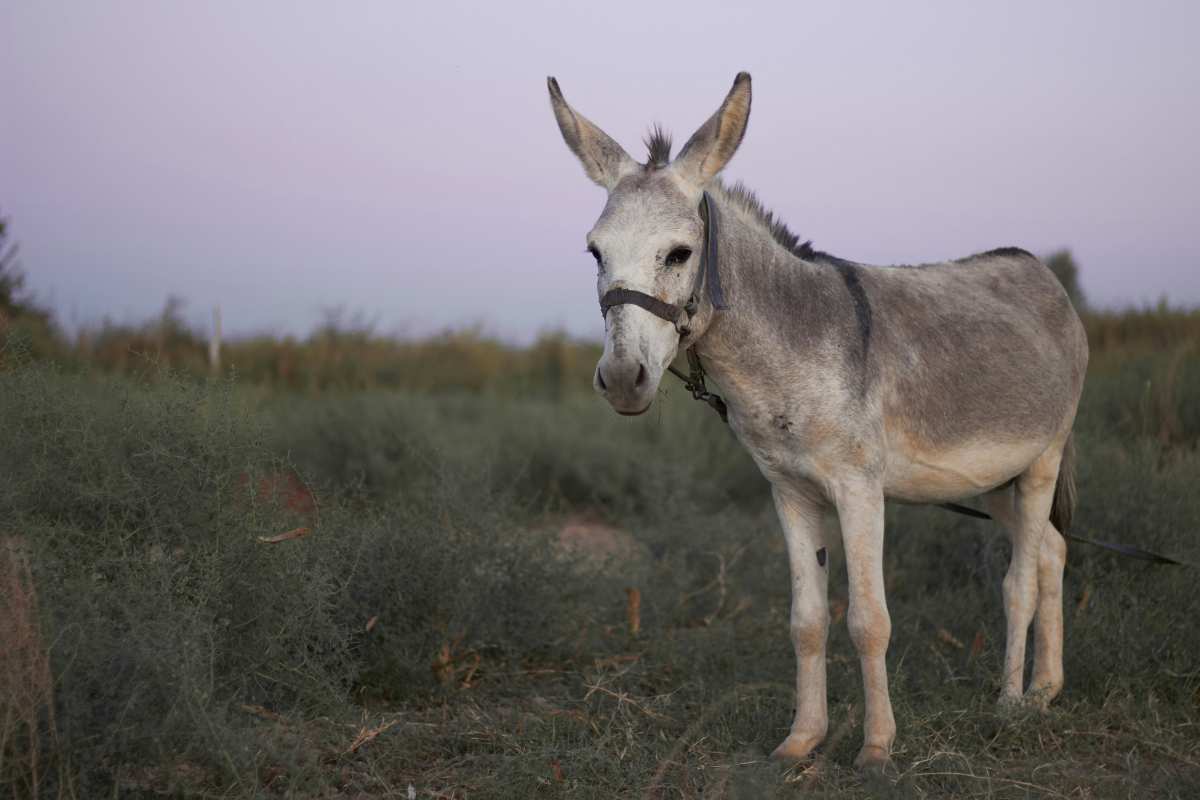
[366,564]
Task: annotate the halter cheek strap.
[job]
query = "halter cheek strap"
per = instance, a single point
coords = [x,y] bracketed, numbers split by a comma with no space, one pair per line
[716,294]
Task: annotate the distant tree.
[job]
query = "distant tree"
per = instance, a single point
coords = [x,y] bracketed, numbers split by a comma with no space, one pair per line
[11,279]
[1063,265]
[19,314]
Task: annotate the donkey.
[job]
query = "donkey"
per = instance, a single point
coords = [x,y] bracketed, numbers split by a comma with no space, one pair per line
[850,385]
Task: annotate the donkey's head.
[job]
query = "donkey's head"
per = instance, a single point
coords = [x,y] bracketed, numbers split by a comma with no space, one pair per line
[649,240]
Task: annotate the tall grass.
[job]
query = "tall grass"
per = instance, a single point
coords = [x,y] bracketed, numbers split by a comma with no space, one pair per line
[421,607]
[338,355]
[1141,329]
[169,602]
[29,754]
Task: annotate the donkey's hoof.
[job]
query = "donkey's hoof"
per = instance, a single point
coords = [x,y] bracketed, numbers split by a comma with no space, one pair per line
[1039,695]
[873,759]
[795,748]
[1010,705]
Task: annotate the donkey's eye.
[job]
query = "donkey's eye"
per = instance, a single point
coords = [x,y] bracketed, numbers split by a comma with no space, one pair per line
[678,256]
[596,255]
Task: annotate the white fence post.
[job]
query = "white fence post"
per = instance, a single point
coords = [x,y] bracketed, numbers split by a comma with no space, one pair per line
[214,342]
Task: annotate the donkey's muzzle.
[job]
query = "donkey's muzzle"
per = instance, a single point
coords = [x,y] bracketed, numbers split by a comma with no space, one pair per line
[625,383]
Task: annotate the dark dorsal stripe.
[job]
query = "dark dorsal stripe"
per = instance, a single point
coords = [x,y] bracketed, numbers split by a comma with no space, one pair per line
[852,278]
[862,306]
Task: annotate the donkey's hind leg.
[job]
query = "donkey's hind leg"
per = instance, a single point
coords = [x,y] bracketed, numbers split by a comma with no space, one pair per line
[1047,679]
[1023,509]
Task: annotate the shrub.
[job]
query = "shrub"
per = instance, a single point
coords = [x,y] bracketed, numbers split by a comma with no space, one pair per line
[161,604]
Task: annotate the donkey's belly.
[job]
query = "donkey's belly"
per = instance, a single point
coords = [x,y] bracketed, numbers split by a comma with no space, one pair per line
[918,475]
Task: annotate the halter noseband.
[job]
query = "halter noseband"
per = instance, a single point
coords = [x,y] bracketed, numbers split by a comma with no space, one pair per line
[681,316]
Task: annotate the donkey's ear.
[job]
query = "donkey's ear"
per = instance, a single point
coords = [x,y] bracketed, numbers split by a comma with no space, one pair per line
[711,147]
[605,161]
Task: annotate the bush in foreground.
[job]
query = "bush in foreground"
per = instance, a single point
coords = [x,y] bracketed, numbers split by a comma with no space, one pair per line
[341,595]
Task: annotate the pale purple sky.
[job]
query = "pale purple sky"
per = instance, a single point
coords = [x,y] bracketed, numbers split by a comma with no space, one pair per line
[401,160]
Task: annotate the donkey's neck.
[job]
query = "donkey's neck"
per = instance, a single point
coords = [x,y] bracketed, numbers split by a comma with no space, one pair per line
[790,321]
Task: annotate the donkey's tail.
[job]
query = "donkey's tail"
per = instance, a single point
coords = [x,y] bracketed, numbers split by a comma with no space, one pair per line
[1063,508]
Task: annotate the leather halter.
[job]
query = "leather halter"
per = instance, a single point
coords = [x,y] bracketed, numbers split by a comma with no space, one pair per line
[681,316]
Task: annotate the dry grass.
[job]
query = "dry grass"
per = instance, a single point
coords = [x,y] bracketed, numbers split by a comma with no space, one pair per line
[28,735]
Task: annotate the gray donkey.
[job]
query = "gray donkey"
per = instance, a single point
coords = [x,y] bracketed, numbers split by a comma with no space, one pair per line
[850,385]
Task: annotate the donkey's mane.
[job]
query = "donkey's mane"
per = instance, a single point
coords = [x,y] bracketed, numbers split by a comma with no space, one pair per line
[748,201]
[658,146]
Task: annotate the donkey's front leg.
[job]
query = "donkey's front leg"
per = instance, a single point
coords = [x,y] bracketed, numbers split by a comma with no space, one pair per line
[801,518]
[860,510]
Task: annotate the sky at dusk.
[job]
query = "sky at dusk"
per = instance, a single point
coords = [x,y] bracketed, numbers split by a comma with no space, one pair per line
[399,160]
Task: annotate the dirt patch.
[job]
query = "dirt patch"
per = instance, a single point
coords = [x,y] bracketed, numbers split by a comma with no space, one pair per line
[598,546]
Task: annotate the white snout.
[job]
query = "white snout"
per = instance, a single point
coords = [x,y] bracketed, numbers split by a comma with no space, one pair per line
[625,381]
[637,350]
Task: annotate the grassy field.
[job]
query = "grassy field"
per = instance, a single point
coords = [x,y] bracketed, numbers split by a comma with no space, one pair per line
[500,589]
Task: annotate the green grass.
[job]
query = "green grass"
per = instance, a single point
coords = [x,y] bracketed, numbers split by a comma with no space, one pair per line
[192,659]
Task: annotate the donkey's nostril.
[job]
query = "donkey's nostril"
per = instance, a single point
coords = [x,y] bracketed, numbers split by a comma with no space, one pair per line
[600,380]
[641,376]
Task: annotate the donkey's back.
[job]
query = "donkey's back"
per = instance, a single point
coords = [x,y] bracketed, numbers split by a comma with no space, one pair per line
[980,367]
